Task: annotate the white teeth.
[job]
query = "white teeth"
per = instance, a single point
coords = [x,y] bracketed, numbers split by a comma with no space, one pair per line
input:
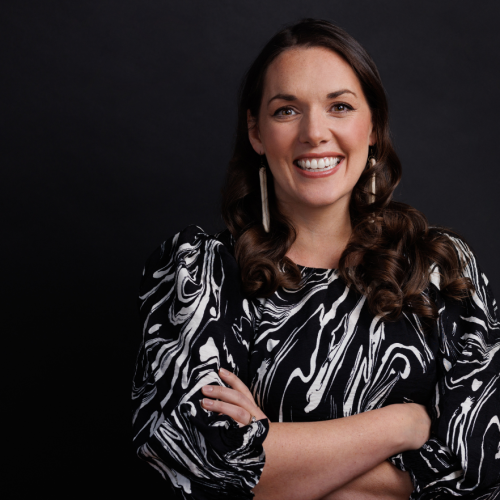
[319,164]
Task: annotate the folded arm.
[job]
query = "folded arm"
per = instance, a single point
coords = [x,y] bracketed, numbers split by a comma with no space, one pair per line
[313,459]
[310,460]
[194,321]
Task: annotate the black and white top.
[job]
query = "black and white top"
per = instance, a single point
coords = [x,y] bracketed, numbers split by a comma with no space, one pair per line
[310,354]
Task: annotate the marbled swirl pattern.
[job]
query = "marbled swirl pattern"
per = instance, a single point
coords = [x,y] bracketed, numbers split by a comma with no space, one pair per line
[315,353]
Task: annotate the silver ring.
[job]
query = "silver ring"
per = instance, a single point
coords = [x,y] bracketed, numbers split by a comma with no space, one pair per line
[252,420]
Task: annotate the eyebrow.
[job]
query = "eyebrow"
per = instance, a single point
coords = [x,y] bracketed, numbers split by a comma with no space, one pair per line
[291,97]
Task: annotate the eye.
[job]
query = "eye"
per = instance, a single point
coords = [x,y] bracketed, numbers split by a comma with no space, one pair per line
[341,107]
[285,111]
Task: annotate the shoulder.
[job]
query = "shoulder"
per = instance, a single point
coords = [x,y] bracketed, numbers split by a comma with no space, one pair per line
[189,245]
[481,296]
[192,255]
[449,246]
[193,237]
[462,249]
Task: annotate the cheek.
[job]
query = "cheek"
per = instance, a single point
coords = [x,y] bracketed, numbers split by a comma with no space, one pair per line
[276,138]
[356,137]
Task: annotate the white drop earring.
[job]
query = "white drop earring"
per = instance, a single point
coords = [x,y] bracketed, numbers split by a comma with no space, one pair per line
[263,195]
[371,162]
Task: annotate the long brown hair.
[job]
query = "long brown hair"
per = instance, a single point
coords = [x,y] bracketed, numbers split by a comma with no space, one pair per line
[391,249]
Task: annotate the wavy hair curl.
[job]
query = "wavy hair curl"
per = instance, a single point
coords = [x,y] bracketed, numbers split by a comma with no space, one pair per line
[392,248]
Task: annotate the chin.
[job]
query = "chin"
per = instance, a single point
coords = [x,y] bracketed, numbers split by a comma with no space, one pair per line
[323,199]
[321,203]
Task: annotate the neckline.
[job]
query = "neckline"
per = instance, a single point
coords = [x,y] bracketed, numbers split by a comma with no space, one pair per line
[319,269]
[226,235]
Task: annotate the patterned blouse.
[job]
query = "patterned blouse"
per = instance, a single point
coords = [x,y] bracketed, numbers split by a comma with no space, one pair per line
[310,354]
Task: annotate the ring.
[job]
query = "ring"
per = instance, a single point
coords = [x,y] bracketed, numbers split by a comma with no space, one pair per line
[252,420]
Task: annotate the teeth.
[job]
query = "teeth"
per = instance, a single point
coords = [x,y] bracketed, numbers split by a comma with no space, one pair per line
[319,164]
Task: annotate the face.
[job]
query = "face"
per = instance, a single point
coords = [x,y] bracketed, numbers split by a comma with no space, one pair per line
[314,126]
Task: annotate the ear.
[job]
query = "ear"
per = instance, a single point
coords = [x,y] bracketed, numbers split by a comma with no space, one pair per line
[372,139]
[254,134]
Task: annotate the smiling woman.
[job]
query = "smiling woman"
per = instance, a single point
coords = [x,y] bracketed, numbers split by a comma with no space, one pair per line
[345,349]
[297,138]
[301,123]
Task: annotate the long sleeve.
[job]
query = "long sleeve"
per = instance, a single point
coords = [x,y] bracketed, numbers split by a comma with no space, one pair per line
[195,321]
[462,458]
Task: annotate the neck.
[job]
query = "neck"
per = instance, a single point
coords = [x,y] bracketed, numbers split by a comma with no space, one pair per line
[322,233]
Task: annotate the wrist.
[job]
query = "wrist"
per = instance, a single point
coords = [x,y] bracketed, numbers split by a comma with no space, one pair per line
[400,419]
[412,425]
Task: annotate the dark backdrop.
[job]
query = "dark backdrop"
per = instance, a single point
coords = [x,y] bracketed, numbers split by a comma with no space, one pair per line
[117,121]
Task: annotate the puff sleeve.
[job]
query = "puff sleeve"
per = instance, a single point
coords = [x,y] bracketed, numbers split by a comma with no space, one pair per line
[194,321]
[462,458]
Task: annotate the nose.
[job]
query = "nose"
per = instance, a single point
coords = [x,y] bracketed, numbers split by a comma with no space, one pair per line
[314,128]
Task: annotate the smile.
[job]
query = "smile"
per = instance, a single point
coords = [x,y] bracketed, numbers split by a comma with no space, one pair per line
[319,164]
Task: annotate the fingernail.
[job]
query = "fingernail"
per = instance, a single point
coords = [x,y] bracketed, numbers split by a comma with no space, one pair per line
[223,372]
[207,388]
[207,402]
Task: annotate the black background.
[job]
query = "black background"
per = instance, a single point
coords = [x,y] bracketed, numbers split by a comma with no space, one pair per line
[117,120]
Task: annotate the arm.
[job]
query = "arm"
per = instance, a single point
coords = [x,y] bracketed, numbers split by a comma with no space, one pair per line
[189,300]
[462,458]
[308,460]
[383,482]
[312,459]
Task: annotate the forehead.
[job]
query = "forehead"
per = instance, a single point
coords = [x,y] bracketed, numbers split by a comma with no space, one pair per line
[310,71]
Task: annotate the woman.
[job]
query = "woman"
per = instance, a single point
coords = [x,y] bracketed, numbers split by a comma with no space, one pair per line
[323,299]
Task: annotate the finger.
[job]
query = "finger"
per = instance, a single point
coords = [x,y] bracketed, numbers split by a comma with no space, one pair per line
[235,383]
[235,398]
[231,396]
[240,415]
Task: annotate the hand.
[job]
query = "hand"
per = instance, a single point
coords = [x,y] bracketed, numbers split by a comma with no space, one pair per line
[237,403]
